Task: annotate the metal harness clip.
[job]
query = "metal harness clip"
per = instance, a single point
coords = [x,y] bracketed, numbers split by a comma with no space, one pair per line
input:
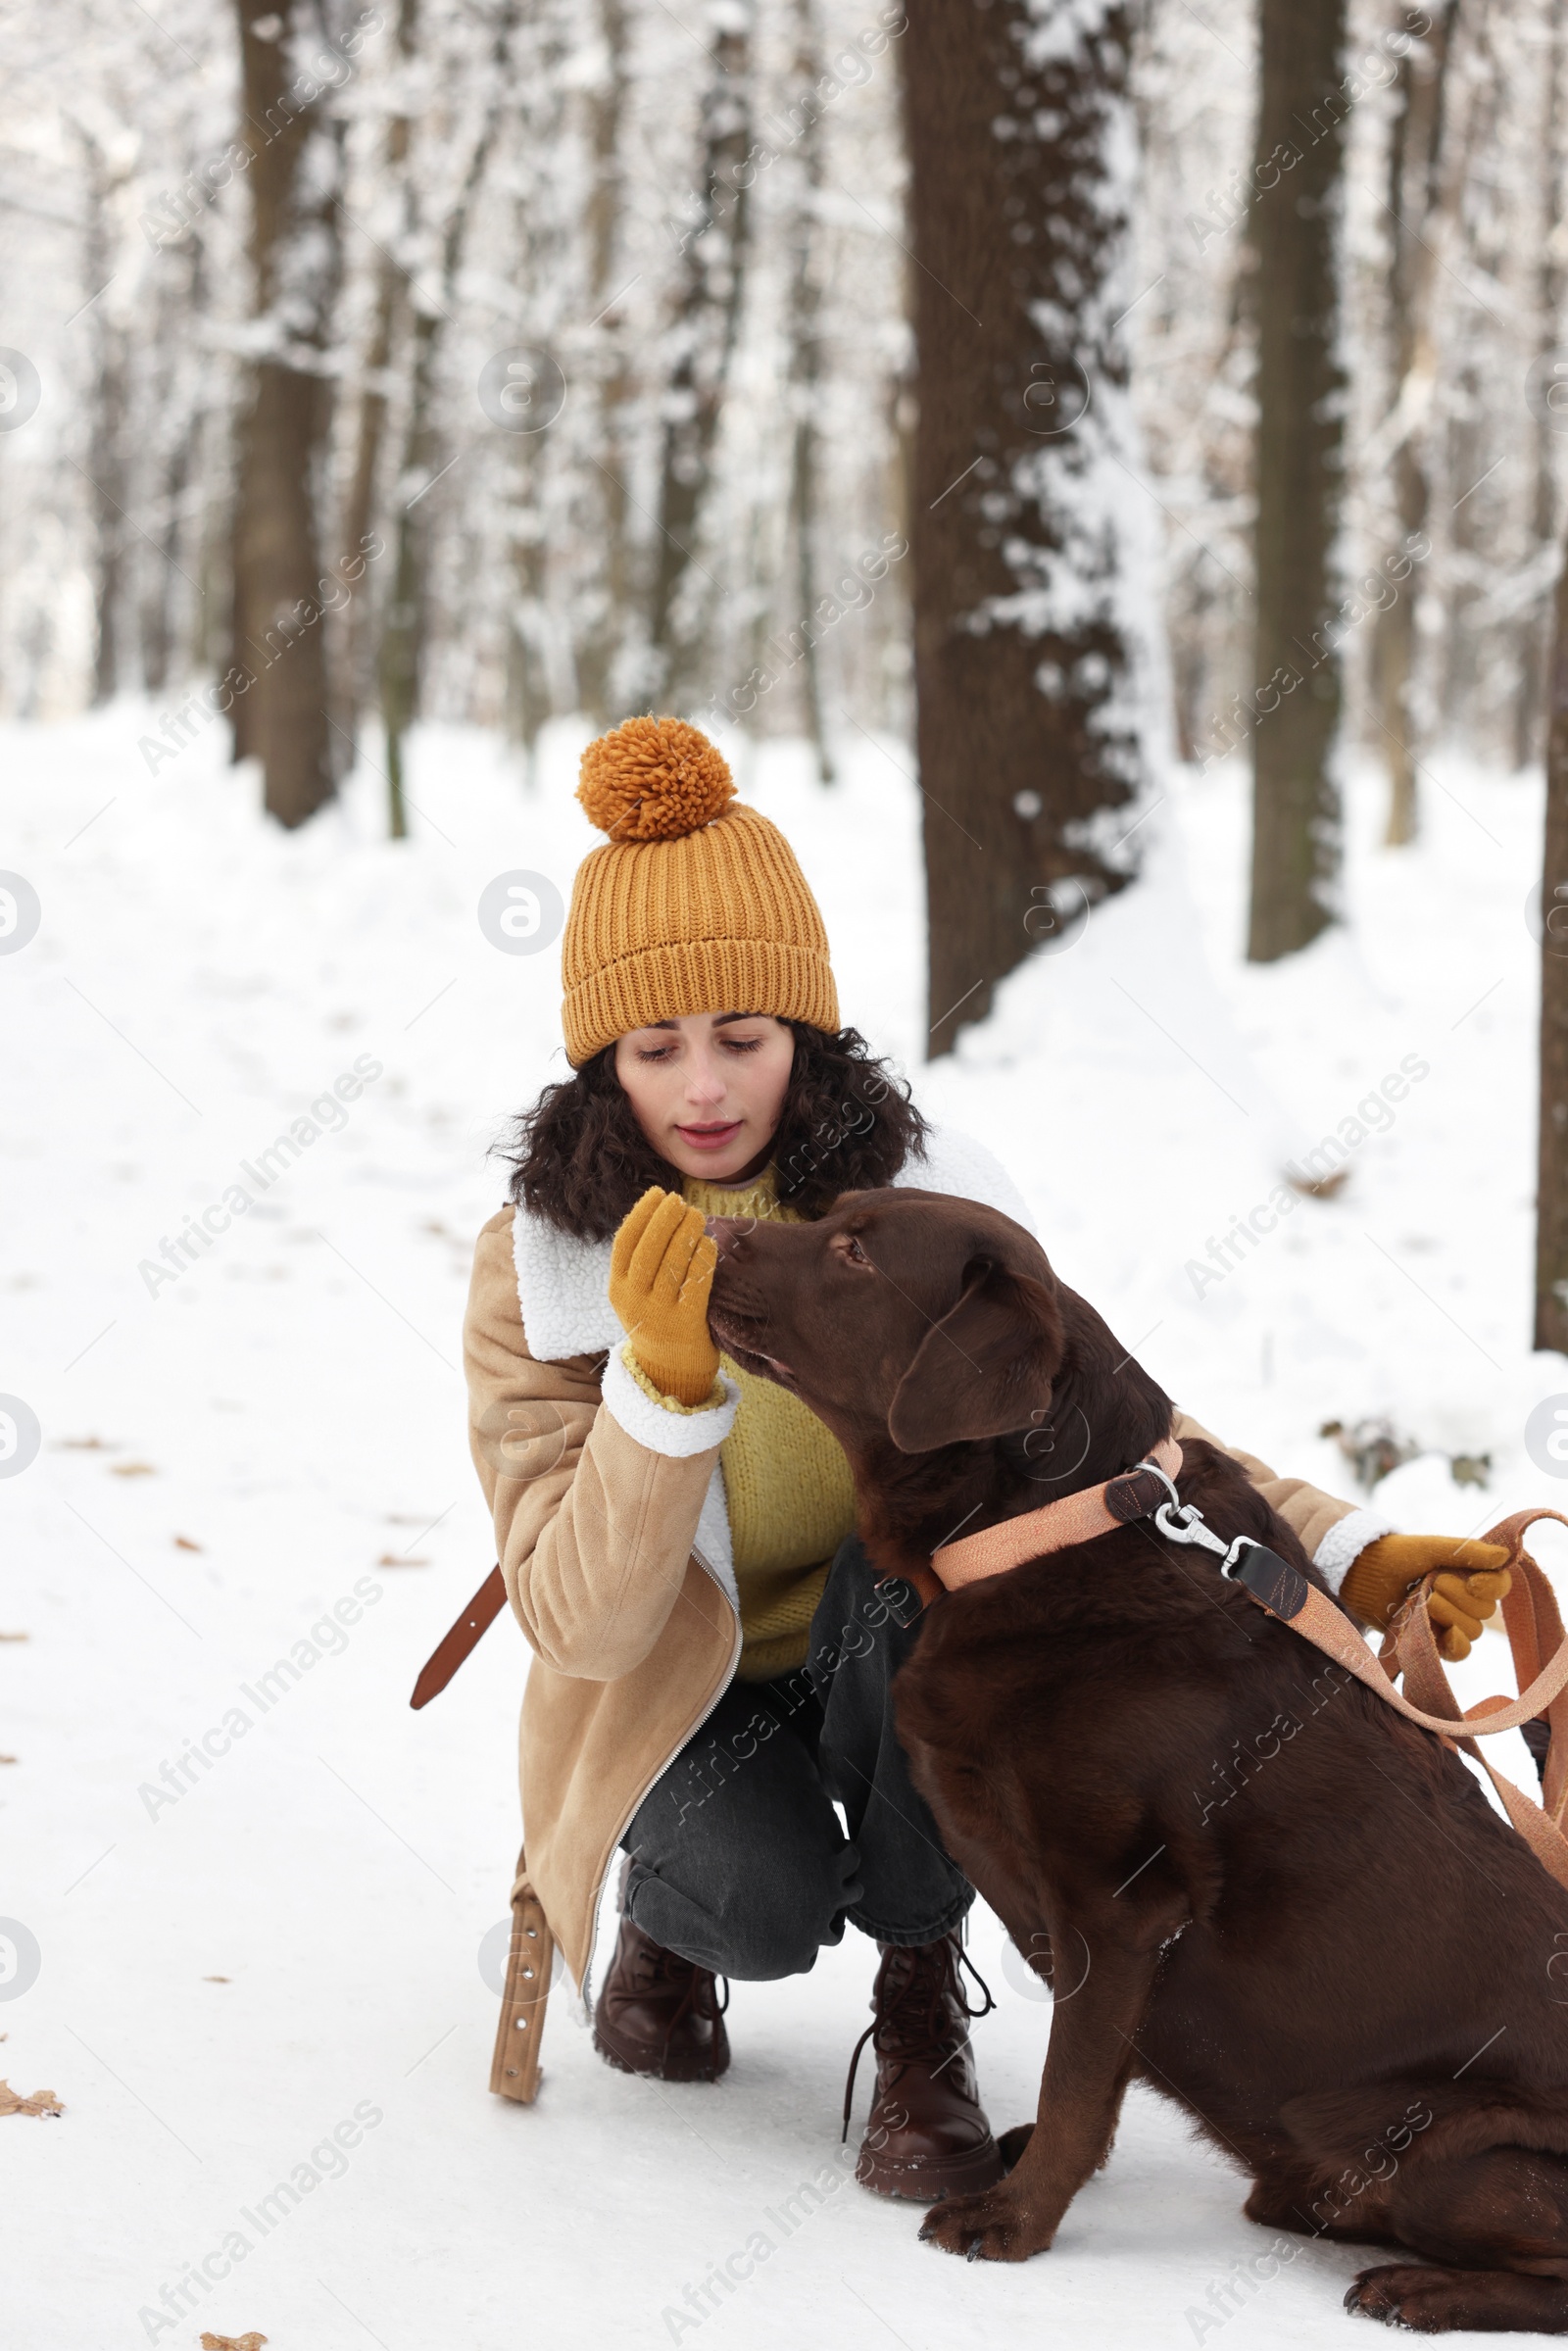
[1192,1529]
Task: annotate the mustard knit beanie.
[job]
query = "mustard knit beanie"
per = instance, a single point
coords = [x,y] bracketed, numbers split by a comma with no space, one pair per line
[695,904]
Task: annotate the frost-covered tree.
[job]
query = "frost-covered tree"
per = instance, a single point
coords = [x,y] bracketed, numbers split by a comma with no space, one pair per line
[1027,515]
[1551,1190]
[1297,232]
[292,58]
[1422,187]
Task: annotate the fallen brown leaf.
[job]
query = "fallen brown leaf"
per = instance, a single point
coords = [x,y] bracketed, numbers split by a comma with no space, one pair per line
[42,2101]
[216,1979]
[183,1542]
[7,1759]
[132,1469]
[233,2342]
[16,1636]
[397,1559]
[83,1444]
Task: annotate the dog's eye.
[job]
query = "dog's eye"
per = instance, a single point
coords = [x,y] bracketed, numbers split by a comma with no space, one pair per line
[855,1252]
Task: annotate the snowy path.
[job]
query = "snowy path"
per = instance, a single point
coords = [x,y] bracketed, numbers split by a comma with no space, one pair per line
[267,1451]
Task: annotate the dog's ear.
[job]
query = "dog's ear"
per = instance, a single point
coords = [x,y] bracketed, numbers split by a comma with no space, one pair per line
[984,1368]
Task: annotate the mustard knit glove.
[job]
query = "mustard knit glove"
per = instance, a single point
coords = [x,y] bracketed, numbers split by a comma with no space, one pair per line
[661,1274]
[1381,1576]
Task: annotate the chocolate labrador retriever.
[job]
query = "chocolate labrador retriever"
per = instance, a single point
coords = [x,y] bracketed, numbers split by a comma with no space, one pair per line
[1251,1884]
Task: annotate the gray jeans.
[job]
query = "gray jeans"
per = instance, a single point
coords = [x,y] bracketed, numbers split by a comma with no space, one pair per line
[738,1859]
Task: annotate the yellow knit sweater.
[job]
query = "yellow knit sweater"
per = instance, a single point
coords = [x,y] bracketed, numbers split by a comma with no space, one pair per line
[787,1483]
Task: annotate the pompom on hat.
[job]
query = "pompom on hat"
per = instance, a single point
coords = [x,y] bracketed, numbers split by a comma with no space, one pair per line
[695,904]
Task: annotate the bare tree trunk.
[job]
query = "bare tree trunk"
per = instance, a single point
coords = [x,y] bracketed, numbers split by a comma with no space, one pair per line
[108,473]
[1552,1191]
[358,680]
[1296,231]
[1548,296]
[404,628]
[600,653]
[806,372]
[702,330]
[283,436]
[1018,115]
[165,645]
[1416,203]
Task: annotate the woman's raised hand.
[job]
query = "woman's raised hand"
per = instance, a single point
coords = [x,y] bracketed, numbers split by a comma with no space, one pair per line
[661,1273]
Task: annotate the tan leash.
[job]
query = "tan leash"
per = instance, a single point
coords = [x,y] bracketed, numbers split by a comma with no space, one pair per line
[1076,1518]
[1530,1613]
[1532,1621]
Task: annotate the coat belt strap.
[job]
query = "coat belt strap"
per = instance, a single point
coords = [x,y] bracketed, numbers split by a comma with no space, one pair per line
[464,1638]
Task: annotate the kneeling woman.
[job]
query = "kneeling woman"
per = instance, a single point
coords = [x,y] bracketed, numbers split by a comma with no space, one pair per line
[712,1654]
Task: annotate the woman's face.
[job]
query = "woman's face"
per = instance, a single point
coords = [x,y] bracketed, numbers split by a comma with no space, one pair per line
[708,1088]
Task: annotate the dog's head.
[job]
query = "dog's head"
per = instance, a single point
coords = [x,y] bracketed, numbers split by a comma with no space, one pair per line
[900,1314]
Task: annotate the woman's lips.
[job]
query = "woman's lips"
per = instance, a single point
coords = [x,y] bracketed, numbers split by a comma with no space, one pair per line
[710,1138]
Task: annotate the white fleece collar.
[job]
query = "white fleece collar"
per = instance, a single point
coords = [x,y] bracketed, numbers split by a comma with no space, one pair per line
[564,1283]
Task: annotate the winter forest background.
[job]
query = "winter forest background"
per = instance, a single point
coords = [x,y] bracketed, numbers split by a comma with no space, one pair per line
[498,359]
[1101,473]
[266,262]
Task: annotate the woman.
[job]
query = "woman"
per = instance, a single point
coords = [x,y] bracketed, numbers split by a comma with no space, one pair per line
[713,1657]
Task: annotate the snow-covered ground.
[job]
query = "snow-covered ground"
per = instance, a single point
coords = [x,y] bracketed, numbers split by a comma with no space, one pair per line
[268,1967]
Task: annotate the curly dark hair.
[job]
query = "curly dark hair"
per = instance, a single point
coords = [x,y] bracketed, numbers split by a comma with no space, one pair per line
[581,1161]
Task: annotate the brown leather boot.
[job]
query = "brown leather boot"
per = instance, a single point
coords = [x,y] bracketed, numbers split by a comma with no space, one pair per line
[927,2135]
[659,2015]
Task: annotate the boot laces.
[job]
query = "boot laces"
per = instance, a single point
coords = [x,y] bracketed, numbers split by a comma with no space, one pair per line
[656,1968]
[917,1991]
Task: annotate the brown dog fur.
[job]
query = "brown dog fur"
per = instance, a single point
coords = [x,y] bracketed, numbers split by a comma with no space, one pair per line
[1269,1897]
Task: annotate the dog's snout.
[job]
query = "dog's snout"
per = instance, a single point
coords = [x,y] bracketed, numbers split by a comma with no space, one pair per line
[728,1232]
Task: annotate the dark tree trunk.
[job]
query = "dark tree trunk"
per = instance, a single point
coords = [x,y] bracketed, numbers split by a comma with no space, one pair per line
[358,680]
[1296,231]
[806,375]
[404,630]
[1548,296]
[1415,201]
[1551,1191]
[1022,651]
[169,626]
[280,641]
[106,469]
[702,331]
[601,654]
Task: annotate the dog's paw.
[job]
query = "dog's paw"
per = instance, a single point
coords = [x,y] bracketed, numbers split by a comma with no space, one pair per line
[1403,2295]
[993,2226]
